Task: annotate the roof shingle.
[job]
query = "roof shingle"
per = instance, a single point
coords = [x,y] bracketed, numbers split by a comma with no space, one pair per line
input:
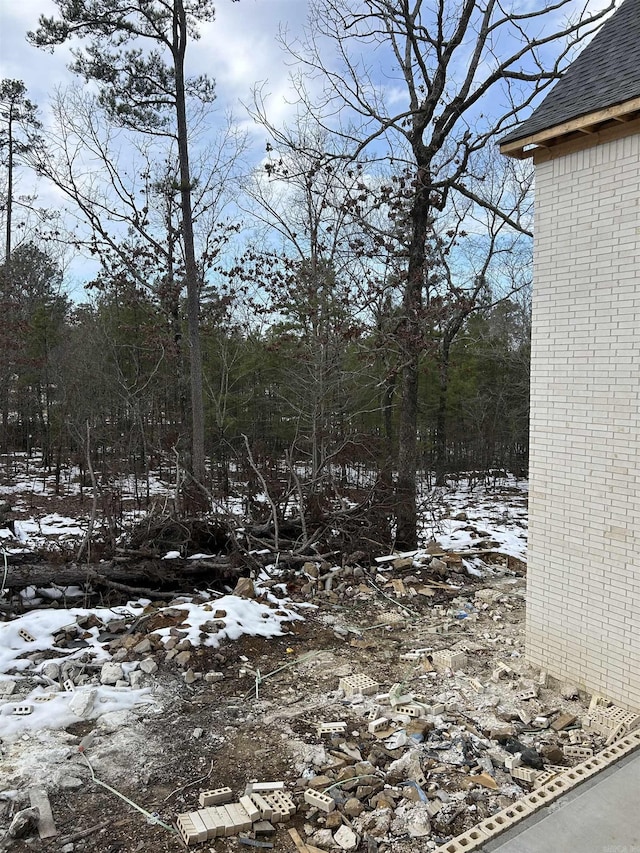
[606,73]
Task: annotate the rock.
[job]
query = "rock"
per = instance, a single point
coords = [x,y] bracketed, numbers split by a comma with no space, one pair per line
[24,823]
[245,588]
[190,676]
[114,720]
[143,647]
[81,703]
[333,820]
[70,783]
[68,848]
[111,673]
[346,838]
[569,691]
[51,670]
[319,782]
[418,823]
[183,658]
[149,666]
[439,566]
[553,754]
[310,569]
[353,807]
[7,687]
[402,563]
[528,756]
[461,516]
[374,823]
[323,838]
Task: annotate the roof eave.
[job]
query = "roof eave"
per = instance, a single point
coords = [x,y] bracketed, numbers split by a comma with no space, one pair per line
[586,125]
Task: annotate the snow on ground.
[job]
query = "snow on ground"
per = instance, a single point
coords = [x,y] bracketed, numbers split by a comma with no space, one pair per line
[35,631]
[493,515]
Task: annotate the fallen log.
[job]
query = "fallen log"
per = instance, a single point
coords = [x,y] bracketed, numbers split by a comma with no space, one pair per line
[143,574]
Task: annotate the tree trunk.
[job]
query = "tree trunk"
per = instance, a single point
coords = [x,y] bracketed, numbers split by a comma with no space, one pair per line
[411,342]
[441,465]
[191,266]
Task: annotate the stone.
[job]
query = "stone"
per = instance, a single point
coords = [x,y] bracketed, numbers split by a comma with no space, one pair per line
[24,823]
[81,702]
[569,691]
[333,820]
[245,588]
[136,679]
[7,688]
[346,838]
[111,673]
[51,670]
[183,658]
[149,666]
[190,676]
[323,838]
[143,647]
[70,783]
[418,823]
[353,807]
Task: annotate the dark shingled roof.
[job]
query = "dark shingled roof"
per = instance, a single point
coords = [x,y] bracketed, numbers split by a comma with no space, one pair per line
[606,73]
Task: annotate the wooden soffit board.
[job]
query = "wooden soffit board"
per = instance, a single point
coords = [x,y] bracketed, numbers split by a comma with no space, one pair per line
[619,117]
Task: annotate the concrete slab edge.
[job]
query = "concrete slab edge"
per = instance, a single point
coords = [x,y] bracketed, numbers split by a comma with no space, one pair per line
[556,787]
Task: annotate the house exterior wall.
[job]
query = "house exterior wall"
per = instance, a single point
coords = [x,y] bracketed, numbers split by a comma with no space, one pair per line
[583,613]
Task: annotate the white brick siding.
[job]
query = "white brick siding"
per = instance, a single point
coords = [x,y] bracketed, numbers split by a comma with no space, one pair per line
[583,614]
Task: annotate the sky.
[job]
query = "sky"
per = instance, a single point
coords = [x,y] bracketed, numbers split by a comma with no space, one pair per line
[239,50]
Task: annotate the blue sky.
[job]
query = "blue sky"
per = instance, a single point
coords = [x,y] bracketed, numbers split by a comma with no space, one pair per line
[239,49]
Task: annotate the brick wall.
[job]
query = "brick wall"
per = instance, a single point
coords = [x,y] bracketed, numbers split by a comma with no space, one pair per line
[583,614]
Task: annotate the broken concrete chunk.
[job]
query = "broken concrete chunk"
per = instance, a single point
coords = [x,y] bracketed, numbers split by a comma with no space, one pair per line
[24,822]
[81,703]
[111,673]
[346,839]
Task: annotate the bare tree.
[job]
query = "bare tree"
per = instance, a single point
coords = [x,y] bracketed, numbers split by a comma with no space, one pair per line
[136,53]
[431,82]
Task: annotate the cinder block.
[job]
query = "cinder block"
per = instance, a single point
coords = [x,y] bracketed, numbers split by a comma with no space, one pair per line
[187,829]
[354,684]
[529,693]
[215,797]
[68,685]
[230,826]
[22,710]
[250,807]
[319,800]
[449,659]
[378,725]
[524,774]
[282,801]
[239,816]
[577,751]
[211,825]
[265,809]
[26,636]
[332,728]
[412,709]
[265,787]
[505,818]
[199,826]
[44,697]
[467,841]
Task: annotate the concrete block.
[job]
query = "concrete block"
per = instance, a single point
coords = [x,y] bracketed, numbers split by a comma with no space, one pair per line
[529,693]
[469,840]
[319,800]
[215,797]
[250,807]
[412,709]
[68,685]
[265,809]
[449,659]
[241,819]
[378,725]
[282,801]
[437,709]
[264,787]
[505,818]
[353,684]
[22,710]
[187,829]
[211,822]
[577,751]
[26,636]
[331,728]
[524,774]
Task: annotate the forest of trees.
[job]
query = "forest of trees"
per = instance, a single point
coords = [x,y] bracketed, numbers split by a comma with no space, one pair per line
[351,305]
